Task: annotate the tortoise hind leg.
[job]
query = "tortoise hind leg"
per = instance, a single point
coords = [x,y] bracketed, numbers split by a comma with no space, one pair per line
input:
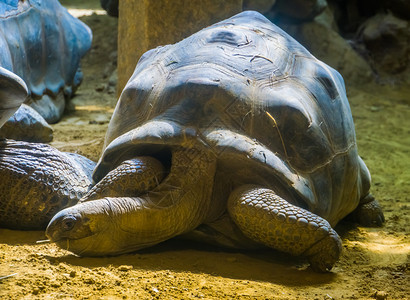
[369,212]
[267,218]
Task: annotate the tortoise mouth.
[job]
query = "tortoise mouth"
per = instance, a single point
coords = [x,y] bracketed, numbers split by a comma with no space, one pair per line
[78,246]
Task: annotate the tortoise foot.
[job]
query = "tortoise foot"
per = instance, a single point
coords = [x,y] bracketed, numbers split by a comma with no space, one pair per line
[369,214]
[324,254]
[266,218]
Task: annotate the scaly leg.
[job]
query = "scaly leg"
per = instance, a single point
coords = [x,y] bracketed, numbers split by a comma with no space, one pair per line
[131,178]
[369,212]
[267,218]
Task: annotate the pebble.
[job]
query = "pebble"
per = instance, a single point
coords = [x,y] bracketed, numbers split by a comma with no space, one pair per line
[100,88]
[380,295]
[35,291]
[89,280]
[124,268]
[55,284]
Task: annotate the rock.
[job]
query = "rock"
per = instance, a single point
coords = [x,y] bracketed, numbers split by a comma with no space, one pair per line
[301,10]
[327,19]
[352,13]
[111,6]
[89,280]
[112,80]
[35,291]
[100,88]
[329,46]
[400,8]
[386,39]
[261,6]
[380,295]
[54,283]
[125,268]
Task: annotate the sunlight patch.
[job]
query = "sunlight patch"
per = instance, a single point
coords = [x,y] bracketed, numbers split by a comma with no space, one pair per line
[382,249]
[85,12]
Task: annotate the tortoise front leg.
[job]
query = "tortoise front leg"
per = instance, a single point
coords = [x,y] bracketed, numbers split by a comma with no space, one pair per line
[268,219]
[131,178]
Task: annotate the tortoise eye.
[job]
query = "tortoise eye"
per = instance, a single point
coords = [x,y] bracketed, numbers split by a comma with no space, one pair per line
[68,223]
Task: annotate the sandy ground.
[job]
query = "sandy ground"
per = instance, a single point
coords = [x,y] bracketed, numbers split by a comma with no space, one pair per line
[374,262]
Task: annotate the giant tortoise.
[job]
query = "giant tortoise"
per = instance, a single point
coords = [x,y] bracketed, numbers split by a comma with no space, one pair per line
[237,136]
[42,44]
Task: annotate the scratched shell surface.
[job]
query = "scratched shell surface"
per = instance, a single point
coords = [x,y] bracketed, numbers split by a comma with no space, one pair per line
[273,113]
[13,92]
[43,44]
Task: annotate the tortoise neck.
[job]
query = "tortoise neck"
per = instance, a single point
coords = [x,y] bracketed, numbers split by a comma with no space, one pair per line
[178,205]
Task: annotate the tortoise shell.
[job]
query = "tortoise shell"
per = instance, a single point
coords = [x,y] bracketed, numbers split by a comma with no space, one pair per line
[272,113]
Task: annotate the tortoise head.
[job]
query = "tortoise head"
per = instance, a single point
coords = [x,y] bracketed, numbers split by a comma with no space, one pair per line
[95,228]
[78,229]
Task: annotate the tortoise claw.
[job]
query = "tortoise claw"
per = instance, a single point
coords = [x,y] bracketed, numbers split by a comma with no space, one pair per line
[326,253]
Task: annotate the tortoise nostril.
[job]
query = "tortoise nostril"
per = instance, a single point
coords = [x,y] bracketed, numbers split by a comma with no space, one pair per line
[68,223]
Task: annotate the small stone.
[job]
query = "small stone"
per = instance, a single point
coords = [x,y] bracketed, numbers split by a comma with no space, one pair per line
[55,284]
[124,268]
[375,108]
[100,88]
[35,291]
[73,273]
[111,90]
[380,295]
[112,82]
[89,280]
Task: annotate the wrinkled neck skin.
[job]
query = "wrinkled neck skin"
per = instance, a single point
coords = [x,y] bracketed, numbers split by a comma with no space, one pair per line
[112,226]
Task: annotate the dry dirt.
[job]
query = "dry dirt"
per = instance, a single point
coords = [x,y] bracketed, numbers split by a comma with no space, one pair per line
[374,262]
